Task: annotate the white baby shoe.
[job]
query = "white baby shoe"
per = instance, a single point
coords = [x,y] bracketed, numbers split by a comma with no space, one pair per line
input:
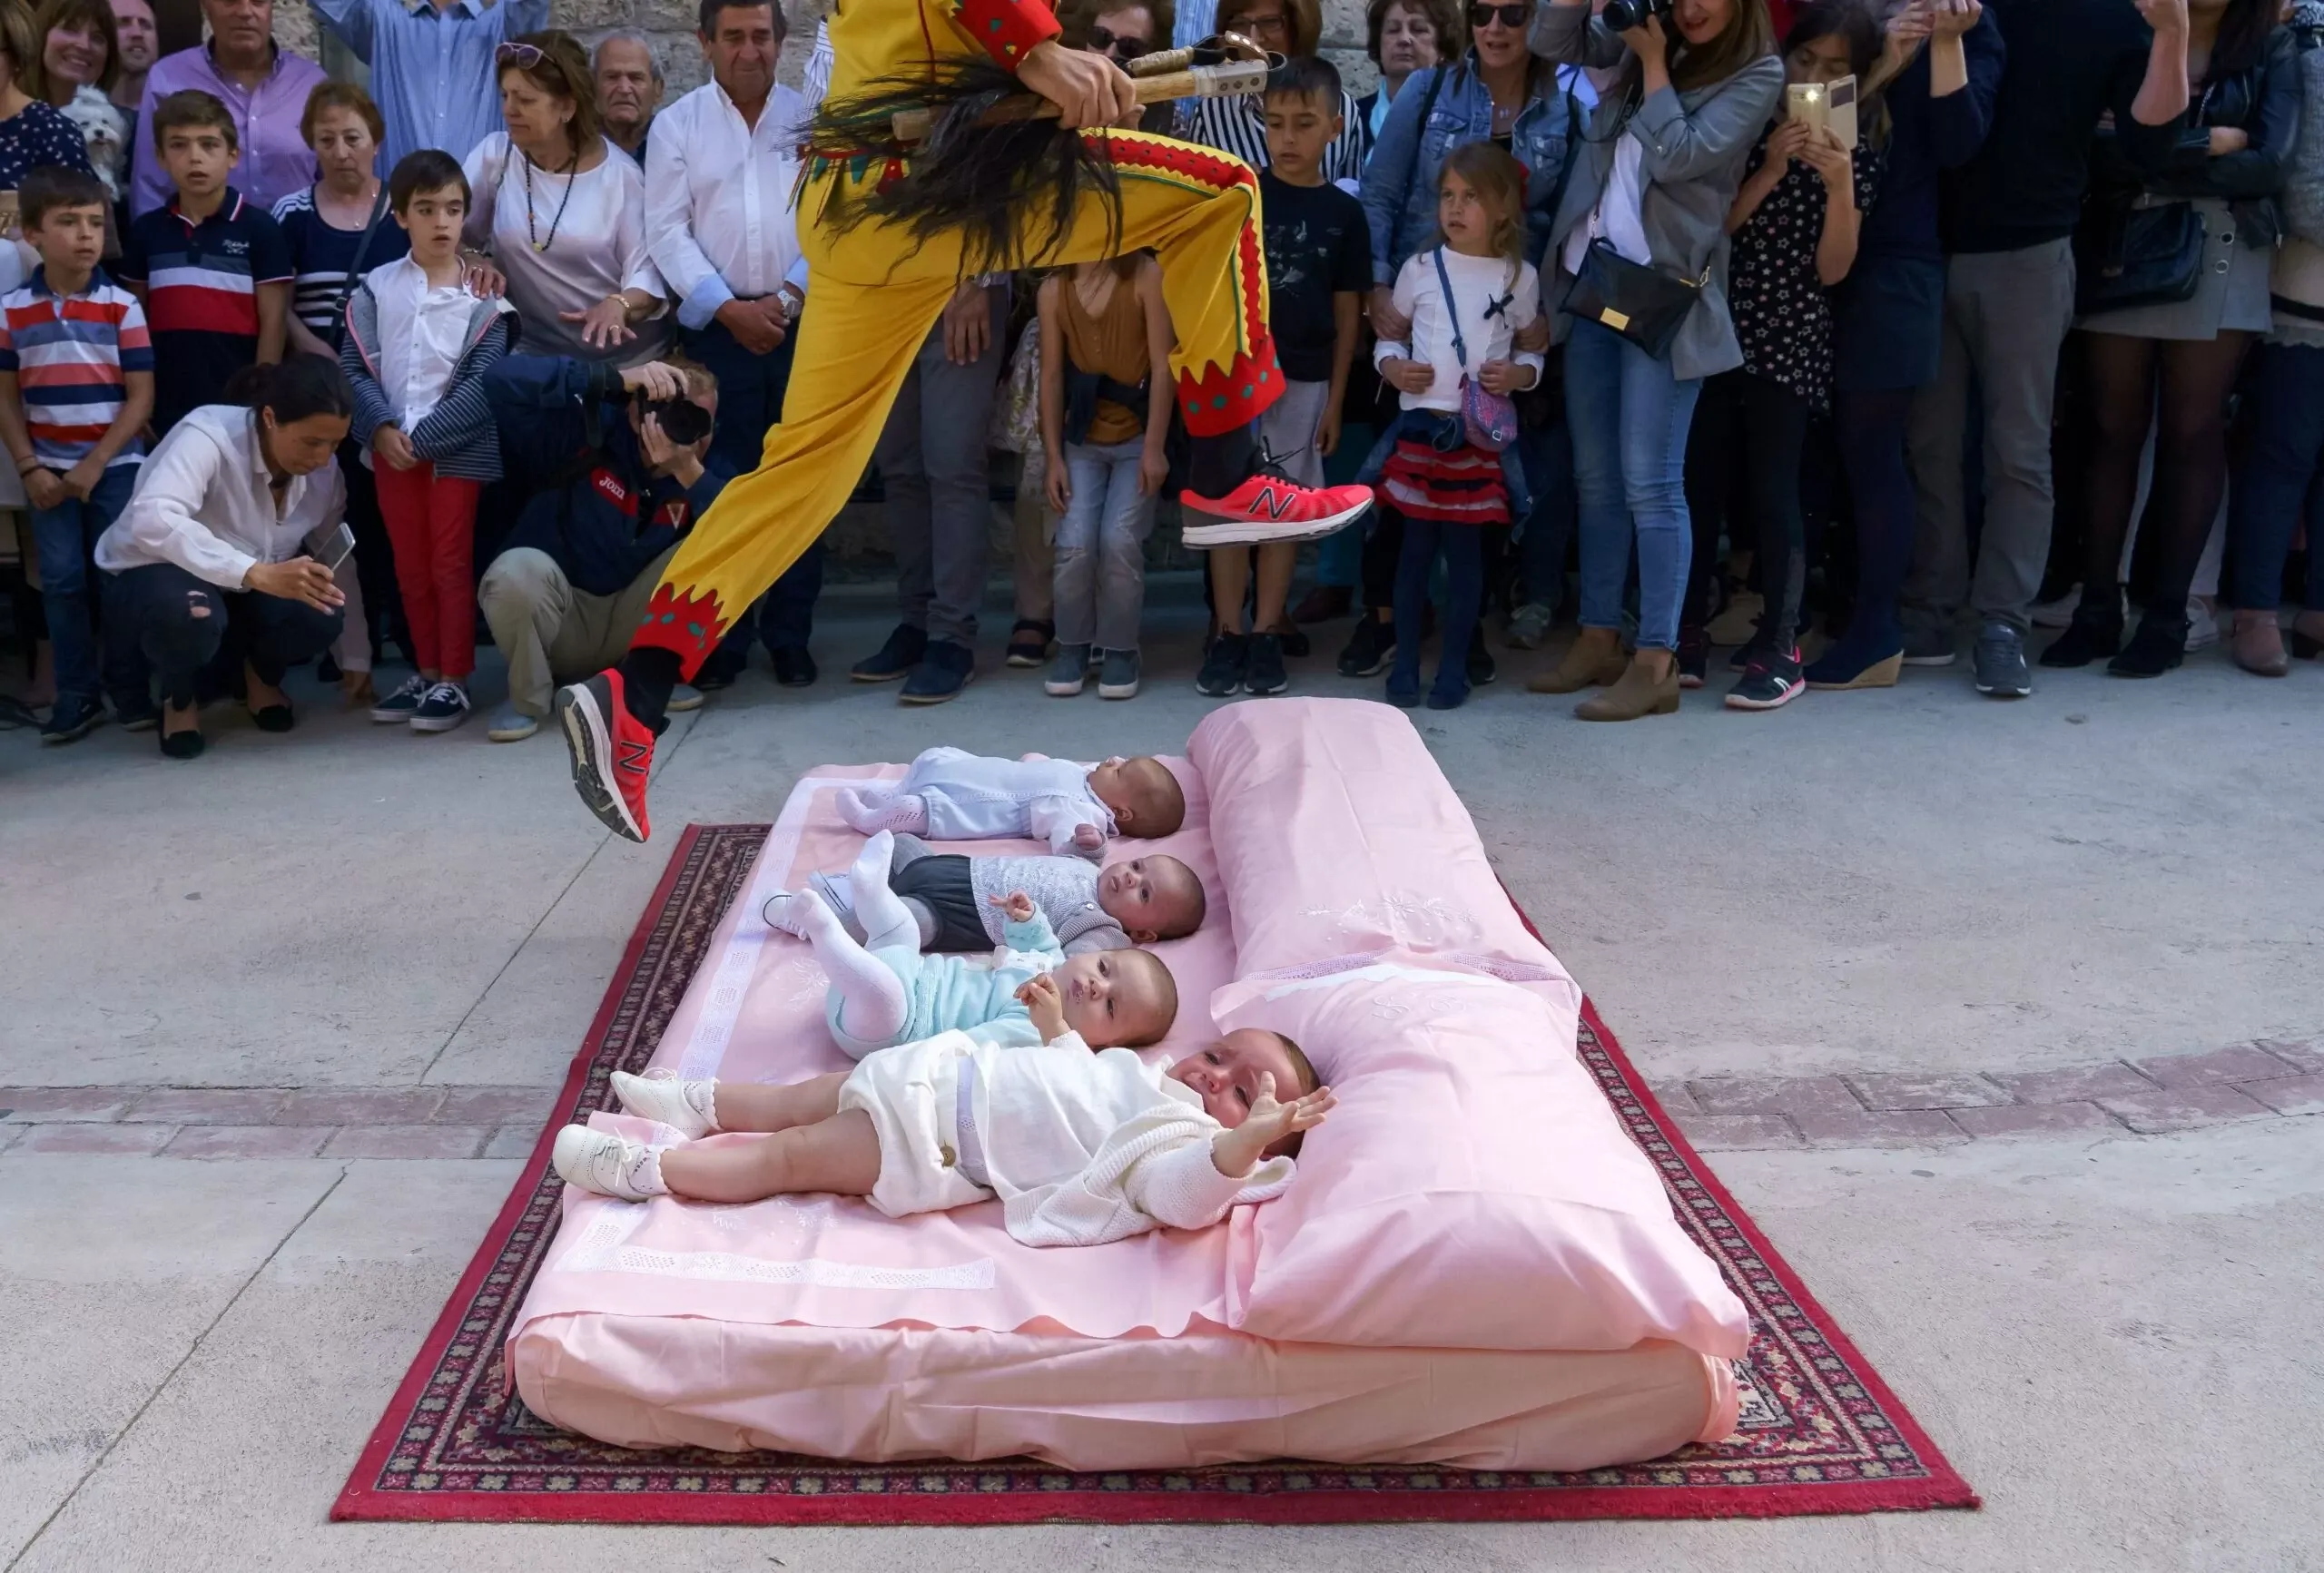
[607,1164]
[685,1106]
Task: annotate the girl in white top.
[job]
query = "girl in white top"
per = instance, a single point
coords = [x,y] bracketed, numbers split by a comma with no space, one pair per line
[563,214]
[1466,299]
[1080,1148]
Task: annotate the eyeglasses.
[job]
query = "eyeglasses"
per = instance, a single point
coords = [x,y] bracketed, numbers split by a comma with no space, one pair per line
[1483,16]
[1104,42]
[1275,23]
[523,56]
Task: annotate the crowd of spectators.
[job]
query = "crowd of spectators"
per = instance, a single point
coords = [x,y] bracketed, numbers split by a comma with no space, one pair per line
[1619,326]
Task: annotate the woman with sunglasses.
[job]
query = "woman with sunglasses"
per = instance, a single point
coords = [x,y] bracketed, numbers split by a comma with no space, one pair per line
[561,216]
[1294,30]
[1121,31]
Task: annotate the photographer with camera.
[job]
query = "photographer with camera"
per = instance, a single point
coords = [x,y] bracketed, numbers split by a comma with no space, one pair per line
[1639,292]
[618,465]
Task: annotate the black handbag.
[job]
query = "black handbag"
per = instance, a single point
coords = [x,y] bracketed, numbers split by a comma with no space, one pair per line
[1645,305]
[2132,254]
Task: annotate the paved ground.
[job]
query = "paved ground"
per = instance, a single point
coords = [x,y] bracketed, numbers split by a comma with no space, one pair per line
[2018,1006]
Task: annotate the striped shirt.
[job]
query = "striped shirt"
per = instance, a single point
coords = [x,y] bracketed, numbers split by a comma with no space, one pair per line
[201,283]
[320,255]
[70,355]
[1239,126]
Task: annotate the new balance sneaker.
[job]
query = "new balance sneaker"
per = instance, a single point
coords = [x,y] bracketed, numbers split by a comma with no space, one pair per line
[404,703]
[444,707]
[607,1164]
[1772,681]
[1263,672]
[1068,674]
[1117,676]
[612,751]
[1266,509]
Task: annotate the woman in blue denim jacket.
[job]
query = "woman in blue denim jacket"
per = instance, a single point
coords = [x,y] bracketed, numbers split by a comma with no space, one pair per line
[1498,92]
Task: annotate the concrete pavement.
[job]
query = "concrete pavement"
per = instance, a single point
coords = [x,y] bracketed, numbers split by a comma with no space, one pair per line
[2110,1333]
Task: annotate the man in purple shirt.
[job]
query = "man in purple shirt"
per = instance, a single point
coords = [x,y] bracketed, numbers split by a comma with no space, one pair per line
[264,89]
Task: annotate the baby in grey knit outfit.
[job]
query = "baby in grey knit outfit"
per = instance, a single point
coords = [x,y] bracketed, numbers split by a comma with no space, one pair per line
[1135,901]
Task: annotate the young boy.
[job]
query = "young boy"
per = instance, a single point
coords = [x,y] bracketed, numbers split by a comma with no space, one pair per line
[1136,901]
[884,992]
[76,387]
[416,350]
[1080,1148]
[953,795]
[1319,267]
[211,269]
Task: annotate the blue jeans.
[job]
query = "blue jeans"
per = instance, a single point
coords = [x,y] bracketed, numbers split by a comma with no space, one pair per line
[750,400]
[1100,579]
[2274,487]
[64,536]
[1629,418]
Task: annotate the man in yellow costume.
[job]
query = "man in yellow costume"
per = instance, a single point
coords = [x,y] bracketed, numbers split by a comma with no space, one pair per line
[884,254]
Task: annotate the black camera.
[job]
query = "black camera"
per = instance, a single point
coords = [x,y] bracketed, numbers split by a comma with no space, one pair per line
[683,422]
[1621,16]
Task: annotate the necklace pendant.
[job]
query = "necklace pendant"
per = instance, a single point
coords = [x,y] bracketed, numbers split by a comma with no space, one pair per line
[540,245]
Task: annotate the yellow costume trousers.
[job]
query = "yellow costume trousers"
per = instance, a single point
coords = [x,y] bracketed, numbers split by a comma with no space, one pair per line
[874,293]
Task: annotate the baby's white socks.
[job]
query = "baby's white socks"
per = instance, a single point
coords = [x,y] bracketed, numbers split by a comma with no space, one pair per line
[869,809]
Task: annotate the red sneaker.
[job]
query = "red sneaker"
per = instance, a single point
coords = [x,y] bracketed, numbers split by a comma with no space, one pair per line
[1267,508]
[612,752]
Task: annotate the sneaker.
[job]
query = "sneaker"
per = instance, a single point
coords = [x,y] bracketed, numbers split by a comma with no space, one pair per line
[404,703]
[1529,625]
[687,1107]
[1266,508]
[684,696]
[1478,666]
[1928,647]
[895,659]
[945,668]
[611,753]
[1263,672]
[2202,624]
[1369,649]
[1694,656]
[1117,676]
[1029,641]
[72,718]
[607,1164]
[510,724]
[793,667]
[2000,660]
[1069,672]
[444,708]
[1223,669]
[137,713]
[1773,682]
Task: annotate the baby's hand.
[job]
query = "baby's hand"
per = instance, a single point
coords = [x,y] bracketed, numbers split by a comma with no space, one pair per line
[1016,905]
[1089,838]
[1045,1004]
[1237,1152]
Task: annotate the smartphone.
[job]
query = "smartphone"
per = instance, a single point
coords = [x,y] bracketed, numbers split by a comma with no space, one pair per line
[1824,106]
[336,546]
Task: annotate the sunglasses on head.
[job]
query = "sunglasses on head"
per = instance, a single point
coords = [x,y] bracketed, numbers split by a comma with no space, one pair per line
[1482,16]
[523,56]
[1121,46]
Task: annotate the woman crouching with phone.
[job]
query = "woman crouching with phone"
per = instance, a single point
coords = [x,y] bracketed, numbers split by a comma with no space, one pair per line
[1639,248]
[232,550]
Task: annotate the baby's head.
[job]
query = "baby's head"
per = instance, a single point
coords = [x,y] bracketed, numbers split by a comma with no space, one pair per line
[1226,1075]
[1144,795]
[1118,998]
[1152,898]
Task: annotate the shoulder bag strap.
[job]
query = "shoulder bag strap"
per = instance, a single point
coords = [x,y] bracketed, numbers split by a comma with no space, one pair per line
[1452,312]
[355,264]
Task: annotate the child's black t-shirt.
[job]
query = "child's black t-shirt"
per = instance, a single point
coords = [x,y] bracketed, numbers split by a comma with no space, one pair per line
[1318,245]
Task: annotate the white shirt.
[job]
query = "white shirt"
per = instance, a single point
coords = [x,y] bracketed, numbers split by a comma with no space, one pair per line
[1478,283]
[423,333]
[571,254]
[1620,216]
[203,503]
[720,199]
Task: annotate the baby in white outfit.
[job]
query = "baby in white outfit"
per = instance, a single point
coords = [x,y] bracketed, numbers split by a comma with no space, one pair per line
[950,794]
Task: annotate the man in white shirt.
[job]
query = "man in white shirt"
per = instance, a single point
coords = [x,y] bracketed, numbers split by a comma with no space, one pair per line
[721,170]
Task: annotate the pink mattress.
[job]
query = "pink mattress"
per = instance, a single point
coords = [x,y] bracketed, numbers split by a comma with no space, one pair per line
[816,1325]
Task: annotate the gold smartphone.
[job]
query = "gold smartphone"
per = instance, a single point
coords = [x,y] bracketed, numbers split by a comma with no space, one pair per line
[1824,106]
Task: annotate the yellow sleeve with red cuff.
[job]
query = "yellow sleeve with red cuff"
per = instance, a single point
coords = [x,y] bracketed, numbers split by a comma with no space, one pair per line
[1006,29]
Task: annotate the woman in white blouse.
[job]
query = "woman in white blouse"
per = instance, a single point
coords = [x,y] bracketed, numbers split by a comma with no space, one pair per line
[561,216]
[231,544]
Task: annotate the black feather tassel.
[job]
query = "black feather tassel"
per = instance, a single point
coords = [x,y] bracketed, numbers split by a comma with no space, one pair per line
[1009,190]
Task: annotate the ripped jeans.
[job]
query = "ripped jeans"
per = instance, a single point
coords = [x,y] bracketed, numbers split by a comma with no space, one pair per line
[180,626]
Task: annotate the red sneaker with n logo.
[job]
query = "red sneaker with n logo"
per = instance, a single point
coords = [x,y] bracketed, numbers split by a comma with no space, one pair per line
[612,750]
[1267,508]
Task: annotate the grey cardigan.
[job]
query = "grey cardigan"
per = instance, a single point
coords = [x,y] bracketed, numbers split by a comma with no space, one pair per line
[1696,145]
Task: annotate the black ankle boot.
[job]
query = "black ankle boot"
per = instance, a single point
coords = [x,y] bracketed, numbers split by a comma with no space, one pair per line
[2159,644]
[2091,636]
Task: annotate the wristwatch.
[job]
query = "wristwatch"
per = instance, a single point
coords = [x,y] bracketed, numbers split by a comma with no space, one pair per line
[791,301]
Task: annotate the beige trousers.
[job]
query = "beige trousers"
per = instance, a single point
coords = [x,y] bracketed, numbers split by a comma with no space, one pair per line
[551,631]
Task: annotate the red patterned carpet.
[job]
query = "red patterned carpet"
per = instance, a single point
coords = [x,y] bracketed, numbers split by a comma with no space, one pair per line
[1821,1432]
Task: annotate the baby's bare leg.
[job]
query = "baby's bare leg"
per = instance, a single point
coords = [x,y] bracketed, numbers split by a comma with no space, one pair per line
[749,1105]
[839,1154]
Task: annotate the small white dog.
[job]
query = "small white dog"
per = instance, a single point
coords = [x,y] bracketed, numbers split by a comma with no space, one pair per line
[107,134]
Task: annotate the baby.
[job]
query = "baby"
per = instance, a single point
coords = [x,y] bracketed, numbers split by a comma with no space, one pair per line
[955,898]
[953,795]
[1080,1147]
[884,992]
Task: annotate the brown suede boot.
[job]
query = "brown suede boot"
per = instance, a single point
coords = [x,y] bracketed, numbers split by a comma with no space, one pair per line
[1594,660]
[1635,695]
[2258,645]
